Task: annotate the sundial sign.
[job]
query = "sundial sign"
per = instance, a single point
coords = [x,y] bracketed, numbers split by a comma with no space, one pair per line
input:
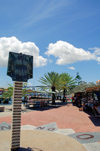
[20,69]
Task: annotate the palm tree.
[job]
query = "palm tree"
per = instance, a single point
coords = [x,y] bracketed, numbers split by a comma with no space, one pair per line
[66,83]
[51,79]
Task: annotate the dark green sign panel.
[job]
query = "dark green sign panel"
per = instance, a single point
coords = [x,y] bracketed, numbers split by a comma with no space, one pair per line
[20,66]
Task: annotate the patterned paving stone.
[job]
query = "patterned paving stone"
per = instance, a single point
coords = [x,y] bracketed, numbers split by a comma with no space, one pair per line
[39,140]
[4,126]
[65,131]
[48,127]
[92,146]
[90,140]
[86,137]
[28,127]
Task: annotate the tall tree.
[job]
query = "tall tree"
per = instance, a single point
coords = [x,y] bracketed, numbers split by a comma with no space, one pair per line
[78,78]
[66,83]
[51,79]
[82,86]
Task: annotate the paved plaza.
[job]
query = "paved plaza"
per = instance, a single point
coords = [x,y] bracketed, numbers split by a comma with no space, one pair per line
[66,120]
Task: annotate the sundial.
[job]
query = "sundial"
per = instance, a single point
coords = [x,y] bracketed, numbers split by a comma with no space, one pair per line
[20,69]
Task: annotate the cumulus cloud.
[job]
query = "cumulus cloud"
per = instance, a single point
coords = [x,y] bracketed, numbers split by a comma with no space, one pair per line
[67,53]
[71,68]
[96,50]
[14,45]
[97,53]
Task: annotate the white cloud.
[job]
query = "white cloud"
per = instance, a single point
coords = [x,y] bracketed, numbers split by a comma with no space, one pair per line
[67,53]
[14,45]
[97,53]
[71,68]
[96,50]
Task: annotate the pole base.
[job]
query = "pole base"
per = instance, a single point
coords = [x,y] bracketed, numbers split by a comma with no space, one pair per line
[22,149]
[15,149]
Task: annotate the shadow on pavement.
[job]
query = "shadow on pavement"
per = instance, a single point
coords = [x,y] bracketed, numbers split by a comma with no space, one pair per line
[95,120]
[48,107]
[29,149]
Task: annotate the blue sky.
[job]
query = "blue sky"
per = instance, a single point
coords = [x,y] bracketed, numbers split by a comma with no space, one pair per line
[62,35]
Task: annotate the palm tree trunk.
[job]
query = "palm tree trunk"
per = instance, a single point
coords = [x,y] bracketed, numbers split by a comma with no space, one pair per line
[64,94]
[53,94]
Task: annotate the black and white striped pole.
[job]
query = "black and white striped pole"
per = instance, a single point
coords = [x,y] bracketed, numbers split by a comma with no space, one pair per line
[16,117]
[20,69]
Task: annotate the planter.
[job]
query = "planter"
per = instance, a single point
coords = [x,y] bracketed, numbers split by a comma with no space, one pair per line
[2,109]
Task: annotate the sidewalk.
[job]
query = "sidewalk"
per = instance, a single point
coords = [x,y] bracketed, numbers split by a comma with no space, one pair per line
[66,117]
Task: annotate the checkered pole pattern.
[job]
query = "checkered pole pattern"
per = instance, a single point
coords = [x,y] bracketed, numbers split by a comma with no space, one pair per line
[16,117]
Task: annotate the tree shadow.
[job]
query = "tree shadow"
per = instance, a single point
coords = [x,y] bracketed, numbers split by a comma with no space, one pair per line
[48,107]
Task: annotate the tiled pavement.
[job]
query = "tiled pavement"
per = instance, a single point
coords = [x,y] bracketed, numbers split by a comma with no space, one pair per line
[90,140]
[91,144]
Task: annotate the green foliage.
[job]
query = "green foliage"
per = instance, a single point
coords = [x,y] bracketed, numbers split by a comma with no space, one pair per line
[82,86]
[51,79]
[78,78]
[24,91]
[59,81]
[8,93]
[66,81]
